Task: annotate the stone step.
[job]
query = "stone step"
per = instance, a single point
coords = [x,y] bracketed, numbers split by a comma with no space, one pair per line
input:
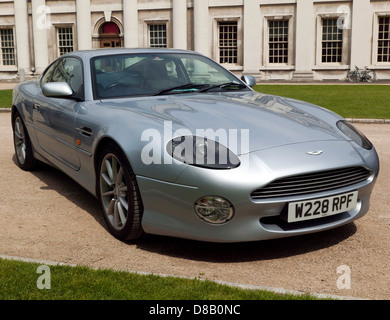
[303,76]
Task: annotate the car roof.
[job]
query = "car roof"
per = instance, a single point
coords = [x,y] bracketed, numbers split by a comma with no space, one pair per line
[112,51]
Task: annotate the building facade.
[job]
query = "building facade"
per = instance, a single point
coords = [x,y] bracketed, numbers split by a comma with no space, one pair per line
[269,39]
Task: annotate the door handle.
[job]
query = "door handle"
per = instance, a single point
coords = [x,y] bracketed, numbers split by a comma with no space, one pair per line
[85,131]
[36,107]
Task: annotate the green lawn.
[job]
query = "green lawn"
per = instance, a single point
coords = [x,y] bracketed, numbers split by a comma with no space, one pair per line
[349,101]
[18,281]
[5,98]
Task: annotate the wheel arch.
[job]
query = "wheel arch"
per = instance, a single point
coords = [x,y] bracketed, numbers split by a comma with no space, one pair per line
[14,110]
[98,150]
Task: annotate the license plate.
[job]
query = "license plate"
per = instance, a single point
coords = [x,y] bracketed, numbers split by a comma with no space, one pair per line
[318,208]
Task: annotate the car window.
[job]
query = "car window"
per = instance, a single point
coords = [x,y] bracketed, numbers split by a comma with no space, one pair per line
[156,73]
[203,73]
[123,75]
[69,70]
[48,73]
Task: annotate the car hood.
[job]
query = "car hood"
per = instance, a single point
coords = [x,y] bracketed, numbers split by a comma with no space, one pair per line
[268,121]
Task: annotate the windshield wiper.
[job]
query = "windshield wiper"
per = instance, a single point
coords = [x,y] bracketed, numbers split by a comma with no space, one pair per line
[200,87]
[224,85]
[181,87]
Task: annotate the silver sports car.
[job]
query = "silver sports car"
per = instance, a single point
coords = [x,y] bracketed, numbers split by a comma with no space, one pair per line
[171,143]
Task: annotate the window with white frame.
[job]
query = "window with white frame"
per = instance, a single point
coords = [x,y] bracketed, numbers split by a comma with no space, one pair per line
[384,39]
[332,41]
[157,35]
[278,41]
[7,45]
[64,40]
[228,42]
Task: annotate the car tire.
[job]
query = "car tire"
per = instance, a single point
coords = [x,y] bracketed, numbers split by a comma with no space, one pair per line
[22,144]
[119,195]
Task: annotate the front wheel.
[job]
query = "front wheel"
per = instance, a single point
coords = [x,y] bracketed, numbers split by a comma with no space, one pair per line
[352,76]
[22,145]
[119,195]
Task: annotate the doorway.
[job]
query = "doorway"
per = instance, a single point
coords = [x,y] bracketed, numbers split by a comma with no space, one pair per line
[109,35]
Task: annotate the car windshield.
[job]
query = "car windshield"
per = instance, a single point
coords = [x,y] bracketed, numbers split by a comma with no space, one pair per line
[150,74]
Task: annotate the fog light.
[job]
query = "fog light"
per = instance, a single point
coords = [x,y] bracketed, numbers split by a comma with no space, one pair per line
[214,209]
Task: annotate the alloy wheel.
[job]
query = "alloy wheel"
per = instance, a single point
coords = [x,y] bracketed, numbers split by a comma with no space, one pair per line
[20,140]
[113,191]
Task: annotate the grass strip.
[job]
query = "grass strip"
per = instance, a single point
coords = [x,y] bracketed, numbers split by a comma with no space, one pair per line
[19,281]
[5,98]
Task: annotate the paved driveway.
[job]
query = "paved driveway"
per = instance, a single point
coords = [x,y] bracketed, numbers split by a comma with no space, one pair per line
[45,215]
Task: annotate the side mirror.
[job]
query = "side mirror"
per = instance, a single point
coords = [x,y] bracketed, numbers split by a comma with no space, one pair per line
[57,90]
[249,80]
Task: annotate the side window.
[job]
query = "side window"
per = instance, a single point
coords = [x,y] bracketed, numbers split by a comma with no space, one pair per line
[48,74]
[69,70]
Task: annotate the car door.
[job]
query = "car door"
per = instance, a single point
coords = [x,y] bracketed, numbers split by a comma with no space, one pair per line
[54,118]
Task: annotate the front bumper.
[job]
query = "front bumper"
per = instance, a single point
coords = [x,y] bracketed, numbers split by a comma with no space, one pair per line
[169,207]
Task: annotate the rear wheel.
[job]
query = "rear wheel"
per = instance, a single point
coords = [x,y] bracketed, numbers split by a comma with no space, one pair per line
[119,194]
[370,76]
[22,144]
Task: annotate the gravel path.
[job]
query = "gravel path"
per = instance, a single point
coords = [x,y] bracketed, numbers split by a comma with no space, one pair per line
[45,215]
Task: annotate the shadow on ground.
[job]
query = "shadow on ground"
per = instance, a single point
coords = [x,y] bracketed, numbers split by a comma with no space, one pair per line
[247,251]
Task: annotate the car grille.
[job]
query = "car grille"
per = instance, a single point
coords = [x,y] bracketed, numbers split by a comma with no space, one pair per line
[312,183]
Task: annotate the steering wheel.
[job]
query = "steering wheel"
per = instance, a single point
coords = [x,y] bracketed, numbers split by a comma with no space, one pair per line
[117,86]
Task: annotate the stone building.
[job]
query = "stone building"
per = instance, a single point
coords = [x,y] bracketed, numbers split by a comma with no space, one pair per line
[270,39]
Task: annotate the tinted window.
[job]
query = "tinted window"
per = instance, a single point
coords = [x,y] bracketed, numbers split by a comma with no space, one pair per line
[150,73]
[48,73]
[67,70]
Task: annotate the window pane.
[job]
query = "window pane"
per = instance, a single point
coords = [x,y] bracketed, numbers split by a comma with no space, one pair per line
[64,40]
[7,47]
[383,40]
[332,41]
[278,41]
[228,44]
[157,35]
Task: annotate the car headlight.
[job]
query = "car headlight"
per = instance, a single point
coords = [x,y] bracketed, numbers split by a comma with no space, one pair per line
[354,134]
[202,152]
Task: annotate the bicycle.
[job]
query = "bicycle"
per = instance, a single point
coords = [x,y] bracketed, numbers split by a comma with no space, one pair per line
[365,75]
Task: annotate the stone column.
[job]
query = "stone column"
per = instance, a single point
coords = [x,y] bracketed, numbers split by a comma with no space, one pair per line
[305,40]
[41,23]
[361,33]
[84,27]
[22,39]
[130,23]
[201,27]
[252,36]
[179,12]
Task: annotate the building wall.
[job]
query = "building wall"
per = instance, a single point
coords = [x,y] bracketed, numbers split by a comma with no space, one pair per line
[241,34]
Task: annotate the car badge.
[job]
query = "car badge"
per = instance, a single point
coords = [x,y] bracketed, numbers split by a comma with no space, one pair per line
[315,153]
